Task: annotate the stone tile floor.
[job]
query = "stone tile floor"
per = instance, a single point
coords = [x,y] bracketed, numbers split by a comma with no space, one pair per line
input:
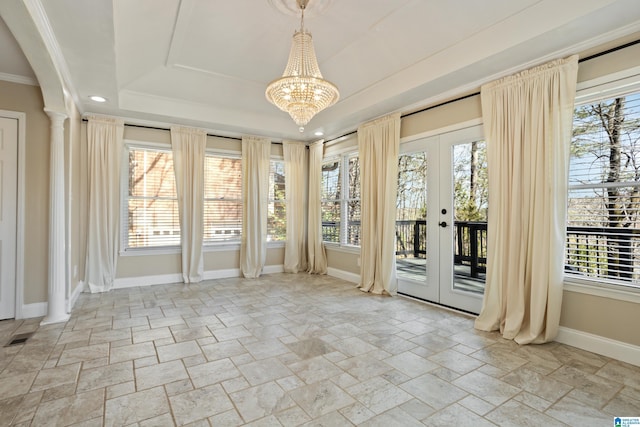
[294,350]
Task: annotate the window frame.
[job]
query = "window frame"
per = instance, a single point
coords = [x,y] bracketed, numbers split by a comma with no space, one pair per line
[343,159]
[124,249]
[226,244]
[277,242]
[605,87]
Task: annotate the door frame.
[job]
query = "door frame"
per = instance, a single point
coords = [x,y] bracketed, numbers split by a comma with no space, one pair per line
[446,136]
[20,203]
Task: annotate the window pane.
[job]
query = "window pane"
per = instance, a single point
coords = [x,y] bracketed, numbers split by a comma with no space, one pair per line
[152,208]
[603,229]
[331,178]
[276,216]
[223,199]
[331,191]
[353,203]
[331,222]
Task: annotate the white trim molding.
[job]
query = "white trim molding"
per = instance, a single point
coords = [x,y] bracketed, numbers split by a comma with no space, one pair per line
[23,80]
[20,202]
[75,294]
[36,309]
[344,275]
[619,350]
[222,274]
[159,279]
[273,269]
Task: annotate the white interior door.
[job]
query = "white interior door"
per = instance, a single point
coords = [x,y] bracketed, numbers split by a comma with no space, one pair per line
[8,216]
[441,221]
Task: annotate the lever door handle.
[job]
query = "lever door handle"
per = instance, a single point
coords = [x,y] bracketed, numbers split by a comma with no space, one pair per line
[443,224]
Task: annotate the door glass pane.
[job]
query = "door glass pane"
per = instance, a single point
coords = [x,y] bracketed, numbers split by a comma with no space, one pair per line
[411,217]
[470,194]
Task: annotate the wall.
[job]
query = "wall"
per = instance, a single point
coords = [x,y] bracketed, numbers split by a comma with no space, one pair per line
[611,318]
[28,99]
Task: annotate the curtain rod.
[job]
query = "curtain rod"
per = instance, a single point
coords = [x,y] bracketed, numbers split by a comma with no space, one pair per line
[208,134]
[595,55]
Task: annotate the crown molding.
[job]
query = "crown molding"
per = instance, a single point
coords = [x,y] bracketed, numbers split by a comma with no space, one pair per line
[23,80]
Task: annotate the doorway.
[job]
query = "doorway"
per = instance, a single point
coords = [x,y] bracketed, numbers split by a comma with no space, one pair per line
[441,222]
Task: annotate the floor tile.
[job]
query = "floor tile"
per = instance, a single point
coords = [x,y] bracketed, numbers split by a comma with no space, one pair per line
[287,349]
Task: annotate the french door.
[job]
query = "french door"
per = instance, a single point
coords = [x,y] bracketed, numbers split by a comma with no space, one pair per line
[441,223]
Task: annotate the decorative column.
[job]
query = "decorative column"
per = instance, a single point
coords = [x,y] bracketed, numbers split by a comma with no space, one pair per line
[56,311]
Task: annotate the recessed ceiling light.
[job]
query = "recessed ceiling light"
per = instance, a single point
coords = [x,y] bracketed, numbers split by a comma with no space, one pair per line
[318,133]
[97,98]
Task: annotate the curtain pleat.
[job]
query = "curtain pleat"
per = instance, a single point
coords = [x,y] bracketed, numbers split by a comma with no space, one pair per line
[317,258]
[528,122]
[378,144]
[188,164]
[295,168]
[104,140]
[255,188]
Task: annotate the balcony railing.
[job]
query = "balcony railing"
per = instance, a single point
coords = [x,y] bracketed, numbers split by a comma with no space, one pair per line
[606,252]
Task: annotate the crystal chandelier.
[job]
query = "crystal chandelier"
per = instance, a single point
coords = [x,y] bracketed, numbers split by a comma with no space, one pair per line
[301,91]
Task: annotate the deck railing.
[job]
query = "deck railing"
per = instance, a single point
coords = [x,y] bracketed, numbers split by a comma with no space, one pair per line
[592,251]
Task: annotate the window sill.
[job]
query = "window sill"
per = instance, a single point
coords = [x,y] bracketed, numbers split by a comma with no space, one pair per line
[348,249]
[602,289]
[221,247]
[166,250]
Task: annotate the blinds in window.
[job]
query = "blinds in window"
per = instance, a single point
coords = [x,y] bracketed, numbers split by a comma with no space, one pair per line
[603,229]
[276,211]
[222,199]
[152,207]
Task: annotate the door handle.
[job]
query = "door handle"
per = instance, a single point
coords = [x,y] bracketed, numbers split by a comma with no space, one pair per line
[443,224]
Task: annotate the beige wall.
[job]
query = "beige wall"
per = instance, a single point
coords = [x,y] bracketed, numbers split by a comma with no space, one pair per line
[606,317]
[28,99]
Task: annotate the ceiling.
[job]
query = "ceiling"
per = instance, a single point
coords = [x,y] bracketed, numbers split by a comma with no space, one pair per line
[206,63]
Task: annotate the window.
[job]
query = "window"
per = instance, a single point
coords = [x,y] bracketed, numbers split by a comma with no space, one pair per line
[330,201]
[603,229]
[277,209]
[340,207]
[222,199]
[151,208]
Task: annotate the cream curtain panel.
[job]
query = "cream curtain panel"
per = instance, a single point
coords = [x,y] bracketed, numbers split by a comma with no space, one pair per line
[295,171]
[378,144]
[104,140]
[528,121]
[188,164]
[317,257]
[255,188]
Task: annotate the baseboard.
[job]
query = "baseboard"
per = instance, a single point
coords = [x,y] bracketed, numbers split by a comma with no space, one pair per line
[619,350]
[160,279]
[164,279]
[75,294]
[36,309]
[222,274]
[344,275]
[273,269]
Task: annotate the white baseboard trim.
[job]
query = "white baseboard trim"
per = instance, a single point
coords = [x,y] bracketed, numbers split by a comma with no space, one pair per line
[165,279]
[344,275]
[160,279]
[222,274]
[75,294]
[619,350]
[272,269]
[36,309]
